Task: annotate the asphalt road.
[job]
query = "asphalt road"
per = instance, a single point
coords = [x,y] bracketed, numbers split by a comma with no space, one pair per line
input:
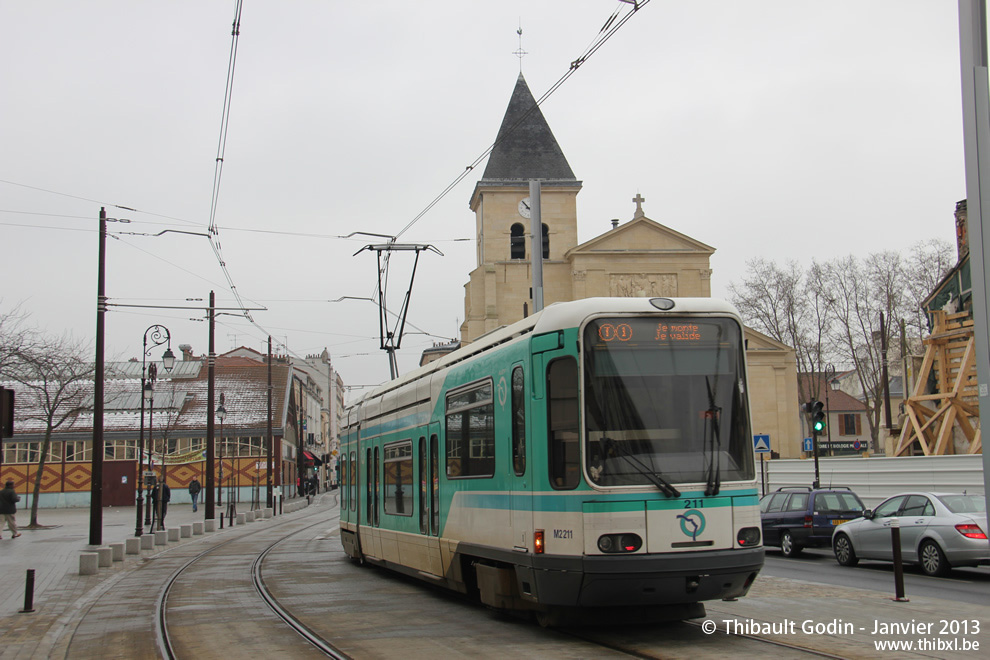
[818,565]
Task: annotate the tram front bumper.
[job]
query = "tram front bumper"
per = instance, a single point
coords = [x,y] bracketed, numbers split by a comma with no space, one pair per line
[643,579]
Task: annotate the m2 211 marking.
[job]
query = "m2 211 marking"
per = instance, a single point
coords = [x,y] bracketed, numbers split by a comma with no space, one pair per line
[563,533]
[694,504]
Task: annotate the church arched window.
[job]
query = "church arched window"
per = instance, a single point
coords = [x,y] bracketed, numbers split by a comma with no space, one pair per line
[517,241]
[546,242]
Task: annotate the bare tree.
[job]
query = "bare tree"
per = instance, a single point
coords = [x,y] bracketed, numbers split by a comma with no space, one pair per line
[858,292]
[928,262]
[14,337]
[788,305]
[53,375]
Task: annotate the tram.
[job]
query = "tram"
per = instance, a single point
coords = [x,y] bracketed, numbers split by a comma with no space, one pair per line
[597,454]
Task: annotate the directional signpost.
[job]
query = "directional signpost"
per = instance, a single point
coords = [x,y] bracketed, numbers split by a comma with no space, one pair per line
[761,445]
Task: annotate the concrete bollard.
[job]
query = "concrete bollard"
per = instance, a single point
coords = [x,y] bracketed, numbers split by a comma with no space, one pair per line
[197,528]
[240,519]
[249,516]
[210,525]
[161,536]
[105,556]
[132,545]
[185,531]
[268,513]
[173,534]
[117,550]
[147,541]
[89,562]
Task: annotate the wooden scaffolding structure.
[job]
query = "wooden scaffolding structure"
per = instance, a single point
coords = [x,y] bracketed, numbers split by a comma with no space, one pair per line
[931,419]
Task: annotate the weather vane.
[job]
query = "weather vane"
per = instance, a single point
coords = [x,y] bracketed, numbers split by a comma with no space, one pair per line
[520,53]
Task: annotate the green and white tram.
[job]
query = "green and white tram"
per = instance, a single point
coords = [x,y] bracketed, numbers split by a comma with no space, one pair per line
[596,454]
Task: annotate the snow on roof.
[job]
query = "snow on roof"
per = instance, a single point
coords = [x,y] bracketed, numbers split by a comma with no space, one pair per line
[179,403]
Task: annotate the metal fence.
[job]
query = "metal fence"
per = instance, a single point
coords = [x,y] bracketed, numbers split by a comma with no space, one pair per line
[875,479]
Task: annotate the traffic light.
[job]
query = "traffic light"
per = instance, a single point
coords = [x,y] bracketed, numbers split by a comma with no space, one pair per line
[817,416]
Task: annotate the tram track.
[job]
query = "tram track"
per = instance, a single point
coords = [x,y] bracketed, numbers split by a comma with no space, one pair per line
[166,639]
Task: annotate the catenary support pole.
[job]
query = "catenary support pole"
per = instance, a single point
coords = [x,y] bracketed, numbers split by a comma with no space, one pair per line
[96,480]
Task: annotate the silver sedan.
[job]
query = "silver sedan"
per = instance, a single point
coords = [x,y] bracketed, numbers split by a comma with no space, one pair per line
[939,531]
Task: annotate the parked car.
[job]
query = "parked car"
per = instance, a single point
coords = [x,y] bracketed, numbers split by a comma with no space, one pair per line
[938,531]
[800,517]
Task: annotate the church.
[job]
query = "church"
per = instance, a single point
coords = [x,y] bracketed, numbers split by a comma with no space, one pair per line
[640,257]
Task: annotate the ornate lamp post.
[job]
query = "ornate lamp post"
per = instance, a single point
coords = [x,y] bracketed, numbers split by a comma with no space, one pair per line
[829,375]
[159,335]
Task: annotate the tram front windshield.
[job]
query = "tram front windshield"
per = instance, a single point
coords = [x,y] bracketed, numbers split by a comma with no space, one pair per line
[665,398]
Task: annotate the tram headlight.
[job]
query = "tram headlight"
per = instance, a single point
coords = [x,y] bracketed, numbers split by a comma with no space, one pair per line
[748,537]
[664,304]
[619,543]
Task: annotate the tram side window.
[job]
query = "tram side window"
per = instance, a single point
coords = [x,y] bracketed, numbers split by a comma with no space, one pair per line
[343,486]
[353,482]
[434,486]
[470,425]
[424,508]
[369,516]
[562,420]
[518,422]
[399,482]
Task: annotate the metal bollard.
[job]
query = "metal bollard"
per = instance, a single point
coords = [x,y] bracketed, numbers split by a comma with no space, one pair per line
[29,592]
[895,539]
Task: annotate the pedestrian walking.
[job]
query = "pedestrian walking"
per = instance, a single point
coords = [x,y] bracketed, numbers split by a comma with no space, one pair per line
[8,507]
[194,488]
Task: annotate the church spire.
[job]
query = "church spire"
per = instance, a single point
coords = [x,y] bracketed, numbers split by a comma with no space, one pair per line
[526,148]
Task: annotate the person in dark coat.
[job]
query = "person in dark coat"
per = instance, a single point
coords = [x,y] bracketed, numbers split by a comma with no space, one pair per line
[194,488]
[8,507]
[166,496]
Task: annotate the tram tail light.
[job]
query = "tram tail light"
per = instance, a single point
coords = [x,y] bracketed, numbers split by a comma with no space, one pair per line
[538,541]
[615,543]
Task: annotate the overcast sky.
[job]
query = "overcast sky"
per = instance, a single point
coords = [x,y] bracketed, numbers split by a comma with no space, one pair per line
[778,129]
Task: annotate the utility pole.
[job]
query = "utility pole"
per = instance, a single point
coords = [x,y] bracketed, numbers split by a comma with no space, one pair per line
[210,440]
[96,481]
[268,437]
[976,142]
[536,255]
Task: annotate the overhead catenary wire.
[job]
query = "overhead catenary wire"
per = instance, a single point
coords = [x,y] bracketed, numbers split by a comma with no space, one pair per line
[606,32]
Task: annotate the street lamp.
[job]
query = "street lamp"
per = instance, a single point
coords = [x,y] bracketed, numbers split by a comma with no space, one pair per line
[221,413]
[159,335]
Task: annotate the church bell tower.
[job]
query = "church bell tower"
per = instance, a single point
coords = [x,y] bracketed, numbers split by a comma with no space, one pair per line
[498,292]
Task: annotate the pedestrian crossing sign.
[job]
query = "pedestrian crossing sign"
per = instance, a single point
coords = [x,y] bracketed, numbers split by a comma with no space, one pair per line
[761,444]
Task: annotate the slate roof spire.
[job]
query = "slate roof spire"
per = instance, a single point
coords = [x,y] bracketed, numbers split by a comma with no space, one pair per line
[526,148]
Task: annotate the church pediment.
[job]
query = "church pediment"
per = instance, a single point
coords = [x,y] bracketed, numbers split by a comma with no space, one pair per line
[644,236]
[757,341]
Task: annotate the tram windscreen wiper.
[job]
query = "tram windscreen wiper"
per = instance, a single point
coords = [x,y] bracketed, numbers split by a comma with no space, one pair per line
[713,416]
[653,475]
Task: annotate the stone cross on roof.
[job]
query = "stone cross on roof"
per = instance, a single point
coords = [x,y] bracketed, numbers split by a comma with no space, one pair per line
[639,199]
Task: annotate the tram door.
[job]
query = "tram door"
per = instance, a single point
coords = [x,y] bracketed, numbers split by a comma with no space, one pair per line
[432,497]
[520,477]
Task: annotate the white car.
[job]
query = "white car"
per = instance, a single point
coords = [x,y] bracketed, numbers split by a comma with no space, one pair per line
[939,531]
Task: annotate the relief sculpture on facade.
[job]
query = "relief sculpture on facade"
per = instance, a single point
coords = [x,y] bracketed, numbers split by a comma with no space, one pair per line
[643,285]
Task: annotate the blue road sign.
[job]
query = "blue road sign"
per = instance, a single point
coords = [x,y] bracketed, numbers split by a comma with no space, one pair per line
[761,444]
[809,445]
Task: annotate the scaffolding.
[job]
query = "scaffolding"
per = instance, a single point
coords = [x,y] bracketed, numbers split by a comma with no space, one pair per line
[942,415]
